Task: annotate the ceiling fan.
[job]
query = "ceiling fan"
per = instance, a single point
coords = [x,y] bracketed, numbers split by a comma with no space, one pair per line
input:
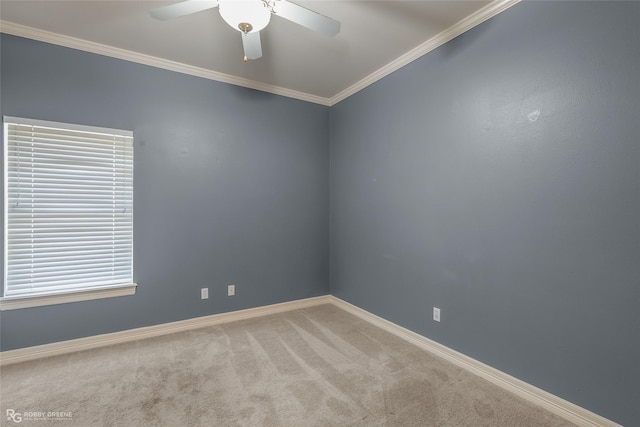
[251,16]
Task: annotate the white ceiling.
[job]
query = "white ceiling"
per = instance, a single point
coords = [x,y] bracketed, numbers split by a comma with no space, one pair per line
[376,38]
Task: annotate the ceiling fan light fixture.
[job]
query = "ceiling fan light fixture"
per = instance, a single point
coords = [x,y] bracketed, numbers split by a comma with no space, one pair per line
[246,16]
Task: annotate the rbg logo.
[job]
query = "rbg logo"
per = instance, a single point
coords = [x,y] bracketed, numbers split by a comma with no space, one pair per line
[14,416]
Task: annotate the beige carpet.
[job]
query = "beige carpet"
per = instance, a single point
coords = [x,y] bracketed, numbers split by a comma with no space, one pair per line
[318,366]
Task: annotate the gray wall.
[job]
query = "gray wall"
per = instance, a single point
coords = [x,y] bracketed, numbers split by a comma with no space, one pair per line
[231,187]
[498,178]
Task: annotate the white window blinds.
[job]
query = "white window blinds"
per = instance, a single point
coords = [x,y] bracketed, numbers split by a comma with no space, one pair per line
[68,208]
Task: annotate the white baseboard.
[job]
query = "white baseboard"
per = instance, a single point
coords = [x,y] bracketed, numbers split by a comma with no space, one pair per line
[64,347]
[536,396]
[532,394]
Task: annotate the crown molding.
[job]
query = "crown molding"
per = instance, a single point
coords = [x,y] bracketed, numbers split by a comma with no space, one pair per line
[141,58]
[487,12]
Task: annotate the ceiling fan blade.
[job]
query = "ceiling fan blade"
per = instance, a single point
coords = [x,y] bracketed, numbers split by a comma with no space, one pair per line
[183,8]
[252,45]
[307,18]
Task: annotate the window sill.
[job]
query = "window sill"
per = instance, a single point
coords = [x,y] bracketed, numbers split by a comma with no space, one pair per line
[14,303]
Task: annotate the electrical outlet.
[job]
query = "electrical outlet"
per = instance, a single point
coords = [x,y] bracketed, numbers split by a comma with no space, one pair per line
[231,290]
[436,314]
[204,293]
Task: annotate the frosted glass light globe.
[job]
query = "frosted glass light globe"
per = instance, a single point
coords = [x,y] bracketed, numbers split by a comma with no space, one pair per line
[253,12]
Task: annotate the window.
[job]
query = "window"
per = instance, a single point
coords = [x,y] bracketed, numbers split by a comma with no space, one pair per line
[68,213]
